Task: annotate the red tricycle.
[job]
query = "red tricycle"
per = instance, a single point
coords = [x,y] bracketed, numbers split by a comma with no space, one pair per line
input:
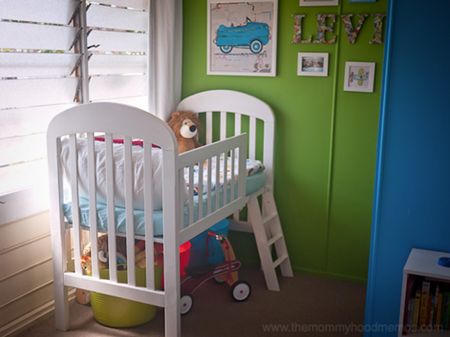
[222,273]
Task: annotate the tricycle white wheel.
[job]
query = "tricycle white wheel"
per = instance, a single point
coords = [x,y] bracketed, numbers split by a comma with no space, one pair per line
[186,302]
[240,291]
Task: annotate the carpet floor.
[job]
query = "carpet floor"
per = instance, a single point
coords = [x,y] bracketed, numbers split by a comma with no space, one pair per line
[306,306]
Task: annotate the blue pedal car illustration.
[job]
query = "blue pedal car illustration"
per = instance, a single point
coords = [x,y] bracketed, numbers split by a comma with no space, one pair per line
[253,35]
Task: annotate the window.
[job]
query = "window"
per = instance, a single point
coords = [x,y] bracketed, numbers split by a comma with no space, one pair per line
[117,40]
[55,54]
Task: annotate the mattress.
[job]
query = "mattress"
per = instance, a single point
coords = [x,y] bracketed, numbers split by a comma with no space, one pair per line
[137,159]
[254,182]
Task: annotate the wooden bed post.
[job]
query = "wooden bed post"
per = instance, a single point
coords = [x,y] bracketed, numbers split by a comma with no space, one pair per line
[172,293]
[58,231]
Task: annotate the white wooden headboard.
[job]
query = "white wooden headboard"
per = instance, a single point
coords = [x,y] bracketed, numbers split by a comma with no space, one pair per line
[239,104]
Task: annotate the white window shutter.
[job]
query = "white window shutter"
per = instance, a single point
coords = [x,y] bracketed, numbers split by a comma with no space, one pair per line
[118,40]
[40,56]
[35,84]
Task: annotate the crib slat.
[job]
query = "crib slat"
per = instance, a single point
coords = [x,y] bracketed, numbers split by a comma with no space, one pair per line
[225,164]
[128,173]
[73,162]
[252,137]
[238,162]
[237,131]
[92,204]
[148,214]
[110,201]
[200,190]
[217,181]
[209,127]
[233,158]
[268,152]
[223,125]
[182,196]
[237,124]
[235,155]
[208,200]
[242,175]
[191,195]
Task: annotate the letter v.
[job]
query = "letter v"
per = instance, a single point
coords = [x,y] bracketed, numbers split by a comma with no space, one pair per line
[353,32]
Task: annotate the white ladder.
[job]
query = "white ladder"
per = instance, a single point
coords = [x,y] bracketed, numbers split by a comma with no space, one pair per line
[267,229]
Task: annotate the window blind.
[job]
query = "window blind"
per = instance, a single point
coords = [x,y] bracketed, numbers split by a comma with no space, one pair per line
[117,32]
[40,76]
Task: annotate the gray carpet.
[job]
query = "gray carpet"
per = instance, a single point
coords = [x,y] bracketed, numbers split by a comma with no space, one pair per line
[306,305]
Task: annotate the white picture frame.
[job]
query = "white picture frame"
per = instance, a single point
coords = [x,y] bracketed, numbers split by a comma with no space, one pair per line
[312,3]
[359,76]
[312,64]
[252,48]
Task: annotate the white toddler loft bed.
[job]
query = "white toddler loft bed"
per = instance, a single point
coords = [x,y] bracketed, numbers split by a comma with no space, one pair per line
[182,213]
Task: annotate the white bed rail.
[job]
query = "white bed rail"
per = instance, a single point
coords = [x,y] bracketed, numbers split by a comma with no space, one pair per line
[222,162]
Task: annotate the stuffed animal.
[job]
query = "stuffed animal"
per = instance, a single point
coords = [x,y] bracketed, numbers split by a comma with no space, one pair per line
[82,296]
[185,125]
[102,245]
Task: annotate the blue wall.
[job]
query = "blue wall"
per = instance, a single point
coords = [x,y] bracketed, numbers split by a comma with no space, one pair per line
[412,198]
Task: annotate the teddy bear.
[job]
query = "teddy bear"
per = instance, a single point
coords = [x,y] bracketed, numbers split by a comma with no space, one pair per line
[185,125]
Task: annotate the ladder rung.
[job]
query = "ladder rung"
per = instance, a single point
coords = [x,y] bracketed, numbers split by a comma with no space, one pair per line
[269,218]
[274,239]
[280,260]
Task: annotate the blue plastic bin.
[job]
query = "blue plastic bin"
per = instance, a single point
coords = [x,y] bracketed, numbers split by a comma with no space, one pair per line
[212,254]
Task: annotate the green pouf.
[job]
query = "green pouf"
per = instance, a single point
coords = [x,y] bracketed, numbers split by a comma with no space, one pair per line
[117,312]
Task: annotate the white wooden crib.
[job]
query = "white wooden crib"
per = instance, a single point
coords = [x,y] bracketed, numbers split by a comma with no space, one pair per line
[263,220]
[182,218]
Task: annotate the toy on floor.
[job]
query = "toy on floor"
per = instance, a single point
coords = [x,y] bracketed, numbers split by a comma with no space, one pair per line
[225,272]
[83,296]
[185,125]
[121,253]
[140,255]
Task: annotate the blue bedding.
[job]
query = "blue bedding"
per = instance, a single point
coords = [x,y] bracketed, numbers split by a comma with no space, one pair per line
[254,183]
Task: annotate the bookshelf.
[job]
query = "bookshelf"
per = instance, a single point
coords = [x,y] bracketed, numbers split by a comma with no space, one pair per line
[423,273]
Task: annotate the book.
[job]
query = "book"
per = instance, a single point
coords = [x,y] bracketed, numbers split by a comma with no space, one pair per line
[410,312]
[416,310]
[407,323]
[446,310]
[438,322]
[434,300]
[409,304]
[424,304]
[431,311]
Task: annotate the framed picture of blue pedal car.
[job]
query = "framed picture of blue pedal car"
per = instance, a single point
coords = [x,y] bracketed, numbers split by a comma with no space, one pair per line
[242,37]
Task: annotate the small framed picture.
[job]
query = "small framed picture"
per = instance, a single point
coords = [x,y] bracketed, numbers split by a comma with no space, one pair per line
[312,64]
[359,76]
[310,3]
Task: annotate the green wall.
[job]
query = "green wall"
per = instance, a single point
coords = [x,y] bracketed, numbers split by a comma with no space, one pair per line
[325,138]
